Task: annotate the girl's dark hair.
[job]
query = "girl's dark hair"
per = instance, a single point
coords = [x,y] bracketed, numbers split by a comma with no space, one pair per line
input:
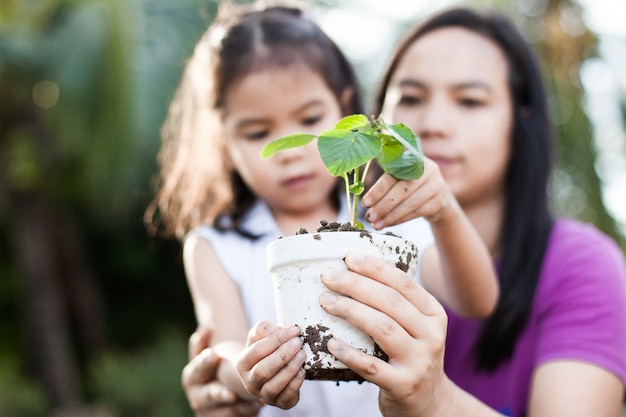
[527,219]
[196,184]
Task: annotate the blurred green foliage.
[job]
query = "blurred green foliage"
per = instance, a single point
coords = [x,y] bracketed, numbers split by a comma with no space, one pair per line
[145,382]
[123,383]
[19,397]
[84,87]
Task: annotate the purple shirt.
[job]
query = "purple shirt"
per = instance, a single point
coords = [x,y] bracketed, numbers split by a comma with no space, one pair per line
[579,313]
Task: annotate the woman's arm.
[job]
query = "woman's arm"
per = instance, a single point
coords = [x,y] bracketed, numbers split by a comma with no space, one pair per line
[575,389]
[458,270]
[218,306]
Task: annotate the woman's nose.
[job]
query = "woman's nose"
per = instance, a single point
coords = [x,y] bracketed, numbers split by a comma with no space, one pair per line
[434,119]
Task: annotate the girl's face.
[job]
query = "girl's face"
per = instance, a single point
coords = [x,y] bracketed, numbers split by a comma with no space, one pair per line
[269,104]
[451,88]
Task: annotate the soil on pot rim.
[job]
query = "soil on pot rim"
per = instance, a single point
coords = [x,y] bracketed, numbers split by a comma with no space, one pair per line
[326,226]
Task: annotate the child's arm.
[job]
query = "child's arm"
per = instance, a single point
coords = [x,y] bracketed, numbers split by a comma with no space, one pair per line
[218,305]
[458,270]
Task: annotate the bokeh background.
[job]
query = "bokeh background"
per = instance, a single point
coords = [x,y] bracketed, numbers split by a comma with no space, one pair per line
[94,311]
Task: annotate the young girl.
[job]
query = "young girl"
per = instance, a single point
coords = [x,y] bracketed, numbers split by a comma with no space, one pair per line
[556,344]
[257,74]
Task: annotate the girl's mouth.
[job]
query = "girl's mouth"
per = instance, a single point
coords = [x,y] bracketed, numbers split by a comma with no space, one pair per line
[298,181]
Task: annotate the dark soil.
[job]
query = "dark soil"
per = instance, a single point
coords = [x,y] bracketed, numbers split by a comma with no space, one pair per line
[317,337]
[326,226]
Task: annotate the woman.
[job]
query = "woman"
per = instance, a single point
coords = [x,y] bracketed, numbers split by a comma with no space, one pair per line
[470,86]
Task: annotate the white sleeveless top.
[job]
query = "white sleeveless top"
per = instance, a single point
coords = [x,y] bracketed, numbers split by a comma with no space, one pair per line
[244,261]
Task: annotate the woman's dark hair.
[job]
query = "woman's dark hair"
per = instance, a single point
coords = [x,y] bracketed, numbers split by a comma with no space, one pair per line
[527,219]
[196,185]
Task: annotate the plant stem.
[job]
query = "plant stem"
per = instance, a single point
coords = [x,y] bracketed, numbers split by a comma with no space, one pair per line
[346,181]
[355,199]
[367,167]
[354,211]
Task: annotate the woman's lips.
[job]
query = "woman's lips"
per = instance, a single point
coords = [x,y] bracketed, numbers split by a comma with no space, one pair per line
[442,161]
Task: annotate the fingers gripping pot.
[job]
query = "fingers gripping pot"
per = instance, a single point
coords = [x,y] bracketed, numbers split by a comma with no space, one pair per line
[296,264]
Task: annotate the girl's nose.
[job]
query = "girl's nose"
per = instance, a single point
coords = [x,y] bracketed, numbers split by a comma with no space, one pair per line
[293,154]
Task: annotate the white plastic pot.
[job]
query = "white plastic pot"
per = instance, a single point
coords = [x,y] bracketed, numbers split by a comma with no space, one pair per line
[296,263]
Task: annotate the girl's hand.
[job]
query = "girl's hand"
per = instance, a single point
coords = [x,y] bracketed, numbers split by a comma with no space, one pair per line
[391,201]
[271,364]
[207,396]
[405,321]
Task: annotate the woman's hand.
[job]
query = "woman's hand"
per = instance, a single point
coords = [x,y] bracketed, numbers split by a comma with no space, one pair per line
[405,321]
[207,396]
[391,201]
[271,365]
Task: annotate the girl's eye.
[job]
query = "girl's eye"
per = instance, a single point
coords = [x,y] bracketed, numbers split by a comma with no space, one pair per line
[310,121]
[256,135]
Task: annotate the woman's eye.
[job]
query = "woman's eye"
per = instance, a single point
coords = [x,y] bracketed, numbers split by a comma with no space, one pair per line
[470,102]
[410,100]
[310,121]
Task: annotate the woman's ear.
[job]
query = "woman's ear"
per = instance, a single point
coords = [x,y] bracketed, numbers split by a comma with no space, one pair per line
[345,100]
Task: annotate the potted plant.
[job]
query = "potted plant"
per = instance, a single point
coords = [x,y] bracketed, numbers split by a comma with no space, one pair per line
[296,262]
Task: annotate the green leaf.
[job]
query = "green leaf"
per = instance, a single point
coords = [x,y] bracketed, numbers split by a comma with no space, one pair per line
[403,159]
[406,167]
[405,136]
[357,188]
[352,122]
[390,150]
[345,150]
[284,143]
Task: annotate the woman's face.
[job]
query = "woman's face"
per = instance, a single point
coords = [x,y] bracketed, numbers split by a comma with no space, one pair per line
[269,104]
[451,88]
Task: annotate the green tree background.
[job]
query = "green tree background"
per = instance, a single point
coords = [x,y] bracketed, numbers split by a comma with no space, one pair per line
[95,312]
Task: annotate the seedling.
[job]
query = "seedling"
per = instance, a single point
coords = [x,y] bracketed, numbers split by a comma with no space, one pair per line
[348,149]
